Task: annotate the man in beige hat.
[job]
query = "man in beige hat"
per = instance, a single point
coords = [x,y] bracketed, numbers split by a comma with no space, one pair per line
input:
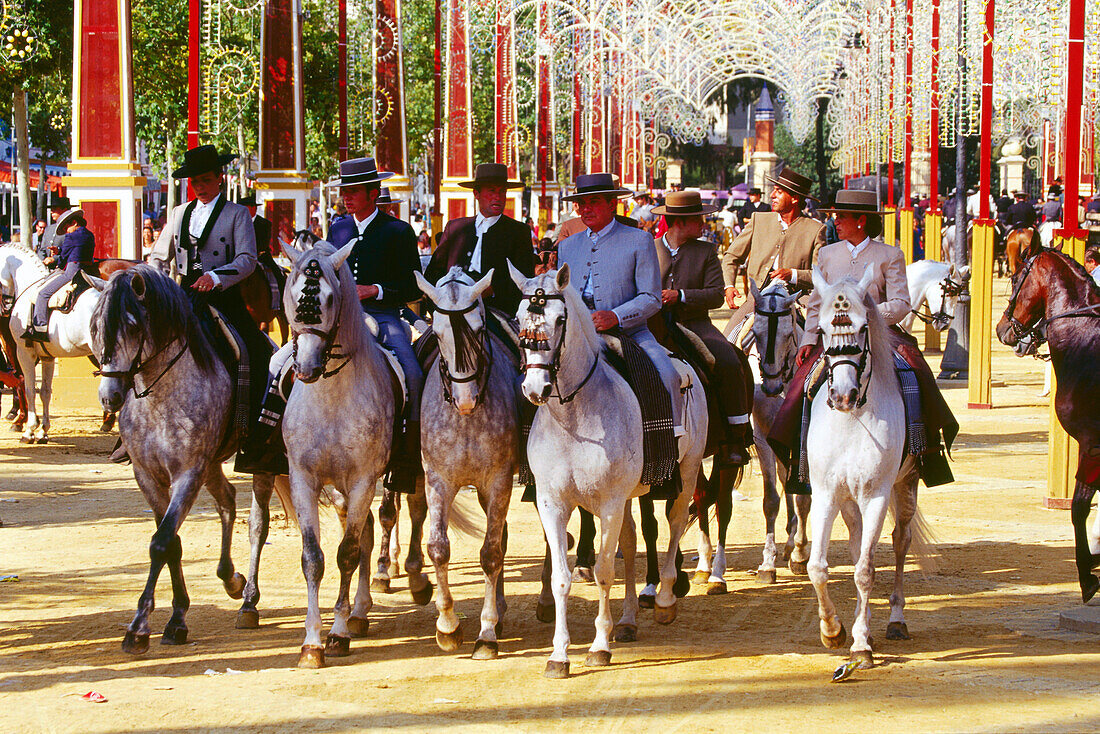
[782,243]
[691,285]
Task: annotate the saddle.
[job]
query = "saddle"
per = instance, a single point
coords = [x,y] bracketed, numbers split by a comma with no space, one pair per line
[63,300]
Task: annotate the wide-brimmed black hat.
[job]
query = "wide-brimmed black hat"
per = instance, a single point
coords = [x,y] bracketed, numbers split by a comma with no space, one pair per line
[491,174]
[597,183]
[384,197]
[202,159]
[793,182]
[756,191]
[249,200]
[684,204]
[851,201]
[360,171]
[59,202]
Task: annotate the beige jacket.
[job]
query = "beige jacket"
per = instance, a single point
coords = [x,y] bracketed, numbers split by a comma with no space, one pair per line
[889,287]
[763,238]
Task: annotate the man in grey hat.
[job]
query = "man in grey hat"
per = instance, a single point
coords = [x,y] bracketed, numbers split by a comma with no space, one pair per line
[383,262]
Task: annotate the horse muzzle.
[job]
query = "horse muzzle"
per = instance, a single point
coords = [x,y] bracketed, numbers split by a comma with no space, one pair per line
[112,394]
[844,400]
[308,376]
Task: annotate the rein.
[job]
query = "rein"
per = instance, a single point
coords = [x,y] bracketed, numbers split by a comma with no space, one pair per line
[138,365]
[536,341]
[949,289]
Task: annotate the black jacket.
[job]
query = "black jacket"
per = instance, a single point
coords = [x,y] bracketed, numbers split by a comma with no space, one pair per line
[507,240]
[1021,215]
[384,255]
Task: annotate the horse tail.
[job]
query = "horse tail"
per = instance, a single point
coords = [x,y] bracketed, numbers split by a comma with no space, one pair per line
[282,489]
[463,518]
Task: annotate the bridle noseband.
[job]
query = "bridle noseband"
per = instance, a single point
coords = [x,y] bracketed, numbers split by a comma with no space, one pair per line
[950,289]
[535,340]
[1030,338]
[130,373]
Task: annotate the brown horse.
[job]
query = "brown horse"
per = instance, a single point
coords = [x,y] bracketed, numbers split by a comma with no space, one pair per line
[1021,245]
[1054,298]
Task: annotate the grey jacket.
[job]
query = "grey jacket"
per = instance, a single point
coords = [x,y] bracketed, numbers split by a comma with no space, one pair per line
[229,251]
[625,274]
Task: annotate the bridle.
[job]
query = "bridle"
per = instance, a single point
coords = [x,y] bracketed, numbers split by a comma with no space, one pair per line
[482,346]
[535,340]
[327,336]
[785,370]
[950,289]
[1030,338]
[130,374]
[862,367]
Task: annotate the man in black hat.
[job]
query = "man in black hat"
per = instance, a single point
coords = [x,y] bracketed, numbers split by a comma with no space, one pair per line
[488,240]
[213,243]
[752,206]
[383,261]
[50,242]
[1021,215]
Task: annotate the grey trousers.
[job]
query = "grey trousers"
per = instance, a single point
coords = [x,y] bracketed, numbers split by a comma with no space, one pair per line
[53,285]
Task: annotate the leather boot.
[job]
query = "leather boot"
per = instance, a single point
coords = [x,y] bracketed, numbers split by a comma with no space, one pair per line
[734,451]
[405,464]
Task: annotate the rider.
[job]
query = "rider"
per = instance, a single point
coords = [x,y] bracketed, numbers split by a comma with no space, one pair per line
[691,282]
[858,221]
[213,243]
[77,251]
[1021,215]
[616,270]
[382,262]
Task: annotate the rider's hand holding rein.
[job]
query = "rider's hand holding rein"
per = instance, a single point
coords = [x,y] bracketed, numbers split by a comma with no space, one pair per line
[604,320]
[803,354]
[204,284]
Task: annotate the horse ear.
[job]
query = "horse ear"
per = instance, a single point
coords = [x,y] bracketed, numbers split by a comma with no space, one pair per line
[137,283]
[292,252]
[482,285]
[868,277]
[964,273]
[337,259]
[563,276]
[818,279]
[754,290]
[98,283]
[427,288]
[517,277]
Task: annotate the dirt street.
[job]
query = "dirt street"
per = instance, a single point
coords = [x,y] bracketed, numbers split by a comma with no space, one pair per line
[985,653]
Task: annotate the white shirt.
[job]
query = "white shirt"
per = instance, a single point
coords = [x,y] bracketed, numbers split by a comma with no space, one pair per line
[1096,275]
[595,237]
[362,226]
[481,226]
[200,216]
[856,249]
[775,262]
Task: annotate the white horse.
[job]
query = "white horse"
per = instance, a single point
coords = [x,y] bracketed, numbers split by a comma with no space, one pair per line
[22,275]
[470,436]
[936,285]
[1046,232]
[585,450]
[337,427]
[855,446]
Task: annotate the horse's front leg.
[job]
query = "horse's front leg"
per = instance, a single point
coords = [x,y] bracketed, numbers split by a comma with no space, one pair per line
[611,522]
[304,491]
[671,585]
[706,545]
[765,574]
[448,627]
[1086,558]
[359,494]
[259,522]
[42,435]
[822,516]
[419,586]
[627,628]
[29,367]
[874,515]
[554,517]
[495,501]
[387,521]
[225,500]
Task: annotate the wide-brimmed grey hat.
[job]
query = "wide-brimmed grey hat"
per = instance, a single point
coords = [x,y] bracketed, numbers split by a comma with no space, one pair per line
[360,171]
[66,219]
[851,201]
[491,174]
[684,204]
[597,183]
[793,182]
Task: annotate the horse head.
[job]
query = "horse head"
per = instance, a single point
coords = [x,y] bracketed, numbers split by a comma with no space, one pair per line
[318,290]
[544,313]
[774,332]
[464,355]
[845,320]
[1020,325]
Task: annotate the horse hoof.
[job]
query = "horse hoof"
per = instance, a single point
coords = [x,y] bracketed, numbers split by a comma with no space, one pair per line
[544,612]
[1088,590]
[583,574]
[106,427]
[765,576]
[337,646]
[865,659]
[311,657]
[235,586]
[449,641]
[423,595]
[625,633]
[358,626]
[380,585]
[569,541]
[646,601]
[174,634]
[682,585]
[598,659]
[897,631]
[717,588]
[664,615]
[556,670]
[485,650]
[26,439]
[786,553]
[834,643]
[248,619]
[135,644]
[700,577]
[798,568]
[43,439]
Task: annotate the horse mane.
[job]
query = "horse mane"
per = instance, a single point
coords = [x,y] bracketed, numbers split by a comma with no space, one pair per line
[351,333]
[27,255]
[575,305]
[878,338]
[1076,268]
[164,313]
[467,350]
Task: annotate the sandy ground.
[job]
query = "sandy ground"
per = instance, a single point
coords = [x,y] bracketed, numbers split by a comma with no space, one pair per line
[986,654]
